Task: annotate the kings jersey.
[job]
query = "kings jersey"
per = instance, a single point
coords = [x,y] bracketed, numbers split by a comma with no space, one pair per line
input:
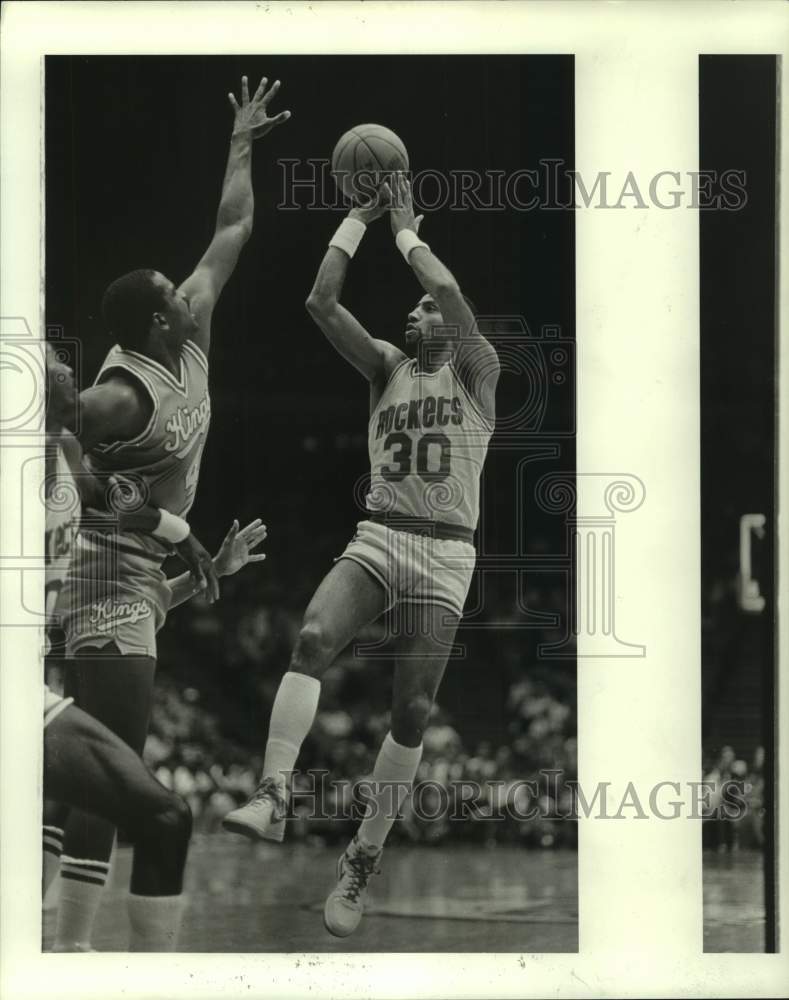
[166,454]
[427,440]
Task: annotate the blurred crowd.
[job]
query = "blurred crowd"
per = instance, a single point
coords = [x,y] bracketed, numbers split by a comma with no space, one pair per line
[495,771]
[735,655]
[737,797]
[220,668]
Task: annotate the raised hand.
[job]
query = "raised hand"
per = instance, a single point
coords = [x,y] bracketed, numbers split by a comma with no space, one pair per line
[401,212]
[252,115]
[236,549]
[375,207]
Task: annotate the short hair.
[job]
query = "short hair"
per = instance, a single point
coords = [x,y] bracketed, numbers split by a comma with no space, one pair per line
[128,305]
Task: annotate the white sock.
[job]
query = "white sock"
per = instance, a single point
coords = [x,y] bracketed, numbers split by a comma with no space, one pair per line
[291,719]
[81,888]
[53,848]
[155,922]
[395,768]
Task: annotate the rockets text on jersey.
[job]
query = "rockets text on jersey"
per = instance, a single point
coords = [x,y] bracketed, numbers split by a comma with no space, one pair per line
[427,440]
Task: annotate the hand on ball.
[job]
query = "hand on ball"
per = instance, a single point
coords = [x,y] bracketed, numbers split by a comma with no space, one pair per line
[373,209]
[401,212]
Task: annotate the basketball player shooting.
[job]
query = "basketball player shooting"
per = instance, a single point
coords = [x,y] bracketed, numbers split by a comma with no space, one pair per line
[432,411]
[147,418]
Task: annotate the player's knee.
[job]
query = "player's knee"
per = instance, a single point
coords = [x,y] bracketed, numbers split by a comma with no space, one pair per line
[172,823]
[410,717]
[55,813]
[314,649]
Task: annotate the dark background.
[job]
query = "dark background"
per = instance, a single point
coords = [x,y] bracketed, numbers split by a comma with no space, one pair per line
[738,397]
[135,154]
[737,130]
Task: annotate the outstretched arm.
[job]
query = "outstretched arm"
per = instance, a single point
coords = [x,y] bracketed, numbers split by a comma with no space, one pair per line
[234,553]
[236,206]
[475,359]
[375,359]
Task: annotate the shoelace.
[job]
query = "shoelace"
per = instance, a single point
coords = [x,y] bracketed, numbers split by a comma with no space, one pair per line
[267,789]
[362,867]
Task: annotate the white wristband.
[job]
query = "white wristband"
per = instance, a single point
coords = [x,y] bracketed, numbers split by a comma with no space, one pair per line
[407,240]
[348,236]
[171,527]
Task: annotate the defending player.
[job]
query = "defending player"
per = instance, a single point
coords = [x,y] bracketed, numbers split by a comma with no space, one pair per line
[431,418]
[86,765]
[147,417]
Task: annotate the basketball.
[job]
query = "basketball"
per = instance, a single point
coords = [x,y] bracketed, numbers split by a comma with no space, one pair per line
[363,157]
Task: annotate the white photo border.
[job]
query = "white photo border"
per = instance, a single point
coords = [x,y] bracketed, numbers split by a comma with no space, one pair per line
[637,276]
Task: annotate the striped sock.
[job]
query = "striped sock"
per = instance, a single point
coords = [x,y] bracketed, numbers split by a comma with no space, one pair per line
[81,886]
[53,848]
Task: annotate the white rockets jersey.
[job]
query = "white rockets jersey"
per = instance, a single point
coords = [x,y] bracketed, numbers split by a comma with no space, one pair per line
[167,454]
[427,440]
[63,510]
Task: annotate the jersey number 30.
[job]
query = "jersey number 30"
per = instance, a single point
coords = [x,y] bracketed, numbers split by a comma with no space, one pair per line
[402,457]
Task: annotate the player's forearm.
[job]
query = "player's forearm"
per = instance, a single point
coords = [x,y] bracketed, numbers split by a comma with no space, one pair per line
[92,492]
[436,279]
[182,588]
[329,281]
[237,204]
[331,274]
[99,494]
[473,351]
[146,520]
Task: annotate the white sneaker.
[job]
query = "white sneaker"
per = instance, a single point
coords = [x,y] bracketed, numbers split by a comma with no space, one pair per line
[263,817]
[345,905]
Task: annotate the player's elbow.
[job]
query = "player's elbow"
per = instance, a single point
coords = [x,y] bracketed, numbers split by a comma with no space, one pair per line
[238,228]
[446,290]
[319,304]
[244,228]
[313,305]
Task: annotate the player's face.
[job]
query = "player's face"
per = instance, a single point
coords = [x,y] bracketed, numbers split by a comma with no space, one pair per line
[61,390]
[421,320]
[176,310]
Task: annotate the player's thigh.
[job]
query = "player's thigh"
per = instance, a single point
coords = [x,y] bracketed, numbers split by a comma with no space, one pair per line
[424,637]
[88,767]
[115,689]
[347,599]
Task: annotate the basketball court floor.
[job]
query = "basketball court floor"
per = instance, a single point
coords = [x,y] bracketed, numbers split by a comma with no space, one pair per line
[264,898]
[248,897]
[733,902]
